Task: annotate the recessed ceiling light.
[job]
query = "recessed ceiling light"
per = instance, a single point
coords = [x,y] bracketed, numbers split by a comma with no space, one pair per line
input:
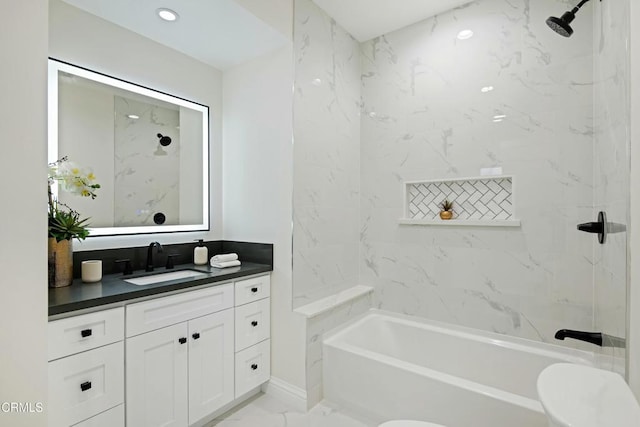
[497,120]
[500,116]
[486,89]
[133,116]
[167,14]
[465,34]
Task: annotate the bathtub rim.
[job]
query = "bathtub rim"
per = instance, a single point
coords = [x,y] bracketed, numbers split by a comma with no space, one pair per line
[332,337]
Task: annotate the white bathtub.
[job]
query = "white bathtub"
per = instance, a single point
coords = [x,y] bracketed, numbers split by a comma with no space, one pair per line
[389,366]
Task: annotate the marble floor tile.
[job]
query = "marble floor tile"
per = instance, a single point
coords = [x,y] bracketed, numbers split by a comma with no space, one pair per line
[266,411]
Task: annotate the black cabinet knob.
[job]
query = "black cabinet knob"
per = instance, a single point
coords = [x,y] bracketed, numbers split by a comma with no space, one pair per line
[254,366]
[85,386]
[254,290]
[196,336]
[86,333]
[254,323]
[182,340]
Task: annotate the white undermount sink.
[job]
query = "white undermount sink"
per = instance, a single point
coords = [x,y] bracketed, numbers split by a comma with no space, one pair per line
[166,277]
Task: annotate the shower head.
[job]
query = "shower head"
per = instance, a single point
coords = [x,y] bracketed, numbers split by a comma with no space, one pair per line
[561,25]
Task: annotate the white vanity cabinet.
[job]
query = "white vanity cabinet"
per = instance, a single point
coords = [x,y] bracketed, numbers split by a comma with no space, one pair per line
[178,374]
[253,332]
[86,370]
[179,359]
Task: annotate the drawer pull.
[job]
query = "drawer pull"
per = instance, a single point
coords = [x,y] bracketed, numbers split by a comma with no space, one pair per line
[85,386]
[254,290]
[182,340]
[196,336]
[254,323]
[254,366]
[86,333]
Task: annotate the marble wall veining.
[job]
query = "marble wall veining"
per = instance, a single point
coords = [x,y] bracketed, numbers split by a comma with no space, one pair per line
[326,156]
[425,116]
[316,327]
[611,168]
[146,173]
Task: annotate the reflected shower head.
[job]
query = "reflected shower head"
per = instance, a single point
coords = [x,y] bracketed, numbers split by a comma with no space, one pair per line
[561,25]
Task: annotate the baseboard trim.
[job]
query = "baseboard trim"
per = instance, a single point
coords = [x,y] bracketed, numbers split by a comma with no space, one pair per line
[287,393]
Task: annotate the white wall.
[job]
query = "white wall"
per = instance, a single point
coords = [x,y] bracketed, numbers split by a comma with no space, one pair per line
[23,253]
[83,39]
[257,176]
[633,355]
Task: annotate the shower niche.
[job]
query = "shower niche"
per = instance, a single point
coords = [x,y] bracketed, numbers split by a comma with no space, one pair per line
[477,201]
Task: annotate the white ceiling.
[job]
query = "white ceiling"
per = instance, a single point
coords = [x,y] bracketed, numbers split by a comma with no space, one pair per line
[366,19]
[223,34]
[220,33]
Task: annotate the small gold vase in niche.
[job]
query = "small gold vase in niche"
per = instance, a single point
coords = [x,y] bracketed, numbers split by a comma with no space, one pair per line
[446,214]
[60,263]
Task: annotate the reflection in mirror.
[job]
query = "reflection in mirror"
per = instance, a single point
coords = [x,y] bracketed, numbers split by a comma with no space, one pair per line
[149,151]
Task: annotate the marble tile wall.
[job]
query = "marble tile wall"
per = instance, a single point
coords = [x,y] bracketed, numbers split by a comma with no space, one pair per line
[424,117]
[316,327]
[146,174]
[326,177]
[611,168]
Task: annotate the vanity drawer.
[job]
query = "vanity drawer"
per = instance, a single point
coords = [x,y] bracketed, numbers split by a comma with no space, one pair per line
[111,418]
[158,313]
[80,333]
[253,367]
[252,323]
[254,289]
[86,384]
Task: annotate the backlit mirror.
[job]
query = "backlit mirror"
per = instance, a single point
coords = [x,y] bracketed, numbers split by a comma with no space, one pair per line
[148,150]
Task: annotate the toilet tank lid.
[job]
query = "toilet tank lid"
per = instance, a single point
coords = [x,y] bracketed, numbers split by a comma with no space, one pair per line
[579,395]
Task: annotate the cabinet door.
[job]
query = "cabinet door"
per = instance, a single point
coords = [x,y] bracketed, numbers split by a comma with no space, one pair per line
[211,363]
[156,378]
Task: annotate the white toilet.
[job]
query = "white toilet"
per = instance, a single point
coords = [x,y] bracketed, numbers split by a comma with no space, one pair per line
[408,423]
[582,396]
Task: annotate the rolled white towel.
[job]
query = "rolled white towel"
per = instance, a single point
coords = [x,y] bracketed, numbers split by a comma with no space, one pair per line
[225,264]
[224,257]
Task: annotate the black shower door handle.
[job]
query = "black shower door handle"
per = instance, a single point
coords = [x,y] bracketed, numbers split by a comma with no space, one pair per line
[591,227]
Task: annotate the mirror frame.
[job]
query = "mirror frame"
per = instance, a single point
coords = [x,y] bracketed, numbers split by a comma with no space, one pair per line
[56,66]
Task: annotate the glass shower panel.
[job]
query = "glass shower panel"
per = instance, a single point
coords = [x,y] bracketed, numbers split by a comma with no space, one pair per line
[611,171]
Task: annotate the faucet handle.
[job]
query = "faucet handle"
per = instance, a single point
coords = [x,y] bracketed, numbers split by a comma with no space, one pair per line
[127,266]
[170,258]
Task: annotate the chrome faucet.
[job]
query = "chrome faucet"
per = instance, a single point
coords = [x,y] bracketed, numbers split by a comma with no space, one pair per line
[150,255]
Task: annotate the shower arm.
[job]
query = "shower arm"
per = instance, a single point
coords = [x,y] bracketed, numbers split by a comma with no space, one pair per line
[579,5]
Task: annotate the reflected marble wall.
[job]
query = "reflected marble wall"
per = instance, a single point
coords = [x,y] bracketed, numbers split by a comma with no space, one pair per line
[146,174]
[326,176]
[425,117]
[611,167]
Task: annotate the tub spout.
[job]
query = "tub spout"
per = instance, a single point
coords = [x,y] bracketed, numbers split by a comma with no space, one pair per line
[597,338]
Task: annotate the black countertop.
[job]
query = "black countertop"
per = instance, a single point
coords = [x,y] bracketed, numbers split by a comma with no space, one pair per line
[113,288]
